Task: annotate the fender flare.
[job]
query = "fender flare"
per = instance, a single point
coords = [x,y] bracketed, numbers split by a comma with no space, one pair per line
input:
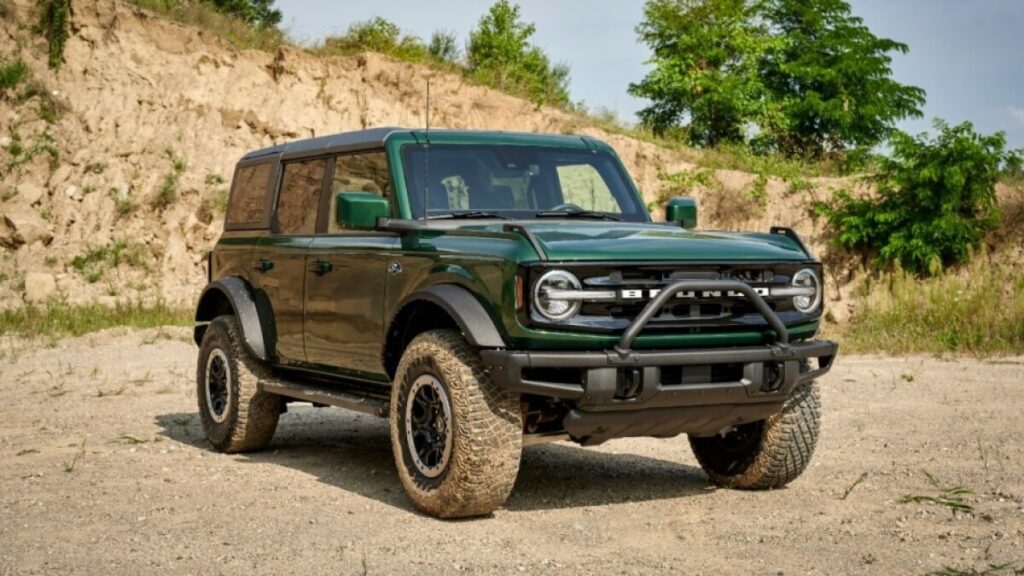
[244,304]
[459,303]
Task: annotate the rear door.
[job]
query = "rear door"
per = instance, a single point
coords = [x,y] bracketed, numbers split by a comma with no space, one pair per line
[344,316]
[279,260]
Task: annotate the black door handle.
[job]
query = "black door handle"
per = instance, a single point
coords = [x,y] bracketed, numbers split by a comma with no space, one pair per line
[321,267]
[264,265]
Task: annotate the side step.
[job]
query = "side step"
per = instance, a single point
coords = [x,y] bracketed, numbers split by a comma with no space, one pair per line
[329,395]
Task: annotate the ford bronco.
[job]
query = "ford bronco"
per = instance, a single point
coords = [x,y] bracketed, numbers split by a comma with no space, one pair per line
[486,291]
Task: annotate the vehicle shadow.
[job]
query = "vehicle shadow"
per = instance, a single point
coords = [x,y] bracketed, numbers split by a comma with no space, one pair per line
[353,452]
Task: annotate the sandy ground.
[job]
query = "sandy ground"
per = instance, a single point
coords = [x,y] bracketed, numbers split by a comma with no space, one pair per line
[103,469]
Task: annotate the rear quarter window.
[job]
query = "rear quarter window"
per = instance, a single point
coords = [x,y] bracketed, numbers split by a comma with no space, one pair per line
[249,197]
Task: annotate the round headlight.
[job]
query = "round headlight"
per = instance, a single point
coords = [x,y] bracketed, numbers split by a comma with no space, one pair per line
[808,280]
[548,301]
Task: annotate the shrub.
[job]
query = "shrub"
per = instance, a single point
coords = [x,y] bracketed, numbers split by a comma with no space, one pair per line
[935,199]
[55,24]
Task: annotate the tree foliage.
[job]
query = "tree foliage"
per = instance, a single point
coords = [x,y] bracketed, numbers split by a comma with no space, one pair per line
[703,67]
[935,199]
[803,77]
[255,13]
[500,55]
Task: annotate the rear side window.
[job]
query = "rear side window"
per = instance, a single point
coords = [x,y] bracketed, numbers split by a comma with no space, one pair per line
[300,196]
[248,206]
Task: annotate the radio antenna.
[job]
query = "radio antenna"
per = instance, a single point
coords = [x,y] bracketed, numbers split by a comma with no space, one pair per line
[426,157]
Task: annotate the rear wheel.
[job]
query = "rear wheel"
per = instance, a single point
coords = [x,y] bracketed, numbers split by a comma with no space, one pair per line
[456,437]
[236,415]
[766,454]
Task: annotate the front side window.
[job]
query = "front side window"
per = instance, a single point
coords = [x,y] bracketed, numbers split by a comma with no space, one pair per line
[517,182]
[297,203]
[362,172]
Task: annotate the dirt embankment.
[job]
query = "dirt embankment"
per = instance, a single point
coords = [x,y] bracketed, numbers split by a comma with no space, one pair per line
[103,469]
[153,115]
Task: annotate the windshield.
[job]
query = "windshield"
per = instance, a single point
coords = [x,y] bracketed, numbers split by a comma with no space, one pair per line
[517,182]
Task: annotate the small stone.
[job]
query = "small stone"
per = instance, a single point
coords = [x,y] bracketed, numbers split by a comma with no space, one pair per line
[21,225]
[5,141]
[30,193]
[74,193]
[40,288]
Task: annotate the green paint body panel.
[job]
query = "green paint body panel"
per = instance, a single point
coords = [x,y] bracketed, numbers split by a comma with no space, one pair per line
[332,296]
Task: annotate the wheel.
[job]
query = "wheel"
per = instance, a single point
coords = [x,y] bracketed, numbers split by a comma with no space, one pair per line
[456,437]
[236,415]
[766,454]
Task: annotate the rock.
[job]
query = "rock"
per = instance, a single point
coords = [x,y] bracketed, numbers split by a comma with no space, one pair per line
[21,225]
[30,193]
[40,287]
[5,141]
[74,193]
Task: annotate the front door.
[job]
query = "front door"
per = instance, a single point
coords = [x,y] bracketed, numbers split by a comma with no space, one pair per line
[346,278]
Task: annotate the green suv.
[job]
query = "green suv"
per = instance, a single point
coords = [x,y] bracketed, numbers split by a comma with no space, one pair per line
[487,291]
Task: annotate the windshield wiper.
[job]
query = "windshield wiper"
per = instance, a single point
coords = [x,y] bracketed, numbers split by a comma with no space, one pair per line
[575,214]
[466,215]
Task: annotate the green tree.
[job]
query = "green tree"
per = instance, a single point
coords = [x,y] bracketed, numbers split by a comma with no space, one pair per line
[255,13]
[803,77]
[705,68]
[935,199]
[500,55]
[443,46]
[830,79]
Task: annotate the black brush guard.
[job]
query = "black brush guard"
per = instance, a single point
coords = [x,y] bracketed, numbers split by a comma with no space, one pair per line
[622,392]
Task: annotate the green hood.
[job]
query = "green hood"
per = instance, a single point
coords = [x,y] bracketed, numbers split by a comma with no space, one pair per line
[639,241]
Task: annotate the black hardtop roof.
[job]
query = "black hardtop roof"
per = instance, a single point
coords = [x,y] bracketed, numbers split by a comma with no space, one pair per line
[375,138]
[358,139]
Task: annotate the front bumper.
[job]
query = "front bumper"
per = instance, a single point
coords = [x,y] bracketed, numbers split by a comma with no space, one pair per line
[662,393]
[625,392]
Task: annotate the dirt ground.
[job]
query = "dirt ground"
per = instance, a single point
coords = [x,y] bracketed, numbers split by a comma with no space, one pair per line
[103,469]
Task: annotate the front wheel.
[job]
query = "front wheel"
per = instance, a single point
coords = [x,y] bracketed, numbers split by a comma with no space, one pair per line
[766,454]
[456,437]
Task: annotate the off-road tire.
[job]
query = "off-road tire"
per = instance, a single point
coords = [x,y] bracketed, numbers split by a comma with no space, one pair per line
[250,418]
[486,429]
[779,447]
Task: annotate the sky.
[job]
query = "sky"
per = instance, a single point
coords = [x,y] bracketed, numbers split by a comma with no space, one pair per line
[968,55]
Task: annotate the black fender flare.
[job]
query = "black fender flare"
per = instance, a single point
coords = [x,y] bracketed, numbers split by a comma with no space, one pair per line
[243,302]
[474,321]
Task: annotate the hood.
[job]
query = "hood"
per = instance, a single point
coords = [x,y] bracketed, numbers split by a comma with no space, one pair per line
[626,241]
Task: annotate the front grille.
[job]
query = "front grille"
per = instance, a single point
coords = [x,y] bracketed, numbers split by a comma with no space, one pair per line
[694,313]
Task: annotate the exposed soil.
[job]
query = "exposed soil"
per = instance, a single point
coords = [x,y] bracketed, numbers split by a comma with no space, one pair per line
[104,469]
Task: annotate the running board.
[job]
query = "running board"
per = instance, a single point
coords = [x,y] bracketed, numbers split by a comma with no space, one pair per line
[329,395]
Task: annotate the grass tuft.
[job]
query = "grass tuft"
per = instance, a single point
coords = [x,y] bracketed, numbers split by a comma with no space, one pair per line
[65,320]
[951,497]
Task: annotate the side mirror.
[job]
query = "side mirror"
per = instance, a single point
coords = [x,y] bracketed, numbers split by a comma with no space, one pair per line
[360,209]
[682,209]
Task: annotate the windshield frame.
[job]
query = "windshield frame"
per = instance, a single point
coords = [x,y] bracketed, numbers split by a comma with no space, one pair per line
[608,167]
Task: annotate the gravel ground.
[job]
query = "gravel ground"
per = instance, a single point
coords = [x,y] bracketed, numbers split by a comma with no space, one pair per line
[103,469]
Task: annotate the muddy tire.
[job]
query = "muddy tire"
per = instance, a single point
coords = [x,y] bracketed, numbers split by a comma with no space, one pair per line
[236,415]
[765,454]
[455,436]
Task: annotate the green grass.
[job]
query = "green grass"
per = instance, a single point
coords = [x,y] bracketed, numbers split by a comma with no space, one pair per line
[94,262]
[167,193]
[12,73]
[204,17]
[65,320]
[978,310]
